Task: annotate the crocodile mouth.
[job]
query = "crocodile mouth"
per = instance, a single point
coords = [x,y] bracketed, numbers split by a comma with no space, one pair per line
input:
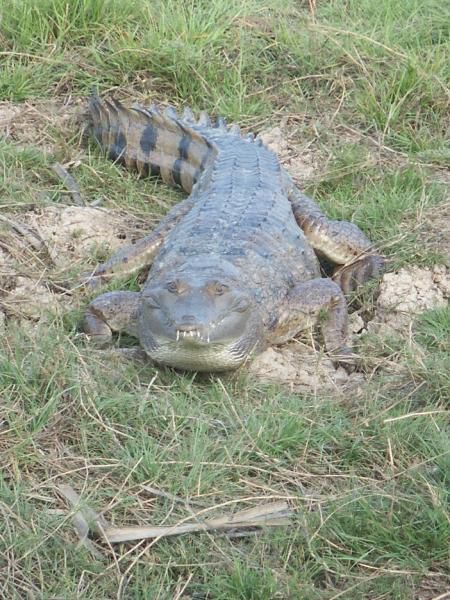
[197,331]
[194,336]
[198,335]
[196,349]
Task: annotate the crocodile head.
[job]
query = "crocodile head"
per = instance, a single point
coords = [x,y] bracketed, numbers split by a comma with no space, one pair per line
[198,320]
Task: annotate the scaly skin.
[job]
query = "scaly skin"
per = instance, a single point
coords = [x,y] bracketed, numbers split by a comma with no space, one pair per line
[234,266]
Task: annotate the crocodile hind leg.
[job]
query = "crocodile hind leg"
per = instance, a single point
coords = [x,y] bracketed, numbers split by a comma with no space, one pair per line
[135,257]
[341,242]
[315,301]
[111,312]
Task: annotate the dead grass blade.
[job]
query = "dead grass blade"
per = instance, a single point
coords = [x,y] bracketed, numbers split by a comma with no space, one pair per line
[266,515]
[272,514]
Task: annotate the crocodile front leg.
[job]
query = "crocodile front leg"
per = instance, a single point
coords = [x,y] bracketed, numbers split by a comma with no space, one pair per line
[111,312]
[341,242]
[136,257]
[315,301]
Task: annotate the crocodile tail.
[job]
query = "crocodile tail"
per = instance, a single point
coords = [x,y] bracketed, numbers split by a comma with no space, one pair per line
[151,142]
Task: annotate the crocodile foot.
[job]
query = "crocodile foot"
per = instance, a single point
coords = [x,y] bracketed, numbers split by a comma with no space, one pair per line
[111,312]
[350,277]
[318,301]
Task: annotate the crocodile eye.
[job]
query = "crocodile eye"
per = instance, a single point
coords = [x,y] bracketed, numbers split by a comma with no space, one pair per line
[220,288]
[172,287]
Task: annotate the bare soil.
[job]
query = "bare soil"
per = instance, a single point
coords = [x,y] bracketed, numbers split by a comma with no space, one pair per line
[45,125]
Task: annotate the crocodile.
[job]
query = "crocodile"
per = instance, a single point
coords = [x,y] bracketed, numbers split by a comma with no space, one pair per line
[234,267]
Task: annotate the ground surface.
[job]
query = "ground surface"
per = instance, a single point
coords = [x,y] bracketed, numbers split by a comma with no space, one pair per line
[354,101]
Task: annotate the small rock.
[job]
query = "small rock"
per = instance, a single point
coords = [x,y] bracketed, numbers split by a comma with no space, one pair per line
[356,324]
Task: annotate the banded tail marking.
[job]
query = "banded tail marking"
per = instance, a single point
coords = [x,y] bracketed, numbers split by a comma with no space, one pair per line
[150,142]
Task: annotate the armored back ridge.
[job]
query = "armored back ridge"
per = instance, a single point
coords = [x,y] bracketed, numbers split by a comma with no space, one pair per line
[234,266]
[153,143]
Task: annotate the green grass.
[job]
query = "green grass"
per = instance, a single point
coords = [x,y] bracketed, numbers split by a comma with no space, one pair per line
[371,491]
[364,86]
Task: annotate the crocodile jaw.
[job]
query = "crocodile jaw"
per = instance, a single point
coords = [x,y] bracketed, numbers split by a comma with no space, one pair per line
[192,352]
[209,357]
[198,350]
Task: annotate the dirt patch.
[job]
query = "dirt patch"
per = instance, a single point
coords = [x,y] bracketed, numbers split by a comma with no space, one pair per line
[9,113]
[46,125]
[302,369]
[71,237]
[300,160]
[435,230]
[32,300]
[76,233]
[406,294]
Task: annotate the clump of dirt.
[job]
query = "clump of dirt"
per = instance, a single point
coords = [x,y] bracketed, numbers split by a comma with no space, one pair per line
[22,292]
[302,369]
[31,299]
[9,113]
[407,293]
[76,233]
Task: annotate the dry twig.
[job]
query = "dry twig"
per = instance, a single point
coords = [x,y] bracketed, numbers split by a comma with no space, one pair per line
[70,183]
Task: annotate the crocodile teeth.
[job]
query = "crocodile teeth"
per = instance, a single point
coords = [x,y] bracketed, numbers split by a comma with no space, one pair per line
[193,333]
